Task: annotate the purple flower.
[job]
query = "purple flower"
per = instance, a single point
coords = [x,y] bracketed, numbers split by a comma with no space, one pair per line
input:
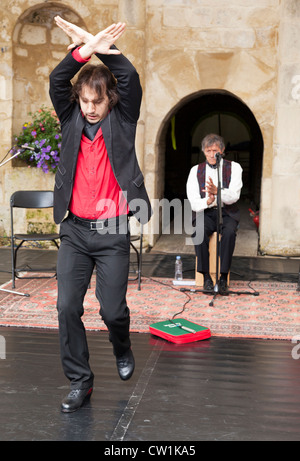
[48,156]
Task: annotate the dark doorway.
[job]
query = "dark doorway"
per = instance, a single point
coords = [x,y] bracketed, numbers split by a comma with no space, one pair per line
[213,111]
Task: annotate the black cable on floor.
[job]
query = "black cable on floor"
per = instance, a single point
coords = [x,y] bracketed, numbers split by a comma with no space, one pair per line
[173,288]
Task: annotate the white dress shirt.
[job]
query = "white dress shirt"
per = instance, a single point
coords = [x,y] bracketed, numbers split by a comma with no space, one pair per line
[229,195]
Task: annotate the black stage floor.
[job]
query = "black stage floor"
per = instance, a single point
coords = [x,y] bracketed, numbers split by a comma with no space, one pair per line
[219,389]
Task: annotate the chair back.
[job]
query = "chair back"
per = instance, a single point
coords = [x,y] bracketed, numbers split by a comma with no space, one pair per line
[32,199]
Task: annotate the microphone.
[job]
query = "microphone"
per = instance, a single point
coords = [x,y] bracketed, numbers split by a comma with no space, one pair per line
[35,149]
[218,155]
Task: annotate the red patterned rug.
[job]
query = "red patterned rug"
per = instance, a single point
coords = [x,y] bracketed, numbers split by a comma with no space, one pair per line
[274,314]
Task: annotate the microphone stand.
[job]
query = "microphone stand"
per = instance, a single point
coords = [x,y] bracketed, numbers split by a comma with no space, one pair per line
[3,163]
[218,244]
[219,228]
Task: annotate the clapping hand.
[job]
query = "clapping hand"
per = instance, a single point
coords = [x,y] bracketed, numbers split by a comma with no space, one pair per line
[211,191]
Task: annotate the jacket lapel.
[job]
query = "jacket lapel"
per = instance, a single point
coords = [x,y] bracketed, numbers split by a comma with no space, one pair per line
[79,124]
[107,136]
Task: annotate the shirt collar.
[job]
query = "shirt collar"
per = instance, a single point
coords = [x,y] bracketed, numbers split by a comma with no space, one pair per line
[211,166]
[214,167]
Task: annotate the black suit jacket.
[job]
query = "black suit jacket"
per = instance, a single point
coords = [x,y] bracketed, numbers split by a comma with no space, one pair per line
[119,130]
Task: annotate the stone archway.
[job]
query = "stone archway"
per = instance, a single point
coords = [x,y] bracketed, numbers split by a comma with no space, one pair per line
[213,111]
[179,144]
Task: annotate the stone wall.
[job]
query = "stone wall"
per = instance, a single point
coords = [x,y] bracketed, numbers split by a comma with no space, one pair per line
[180,47]
[280,227]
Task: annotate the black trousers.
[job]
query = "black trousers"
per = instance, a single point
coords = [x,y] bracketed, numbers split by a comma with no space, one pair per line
[80,251]
[228,238]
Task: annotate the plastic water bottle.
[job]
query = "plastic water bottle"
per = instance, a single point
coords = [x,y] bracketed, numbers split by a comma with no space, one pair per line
[178,268]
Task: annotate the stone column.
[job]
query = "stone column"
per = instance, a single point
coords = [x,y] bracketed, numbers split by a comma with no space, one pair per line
[132,12]
[280,211]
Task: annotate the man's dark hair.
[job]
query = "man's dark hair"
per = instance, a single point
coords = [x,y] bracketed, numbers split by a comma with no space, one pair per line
[99,78]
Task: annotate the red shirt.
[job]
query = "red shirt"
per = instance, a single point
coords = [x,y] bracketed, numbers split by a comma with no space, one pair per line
[96,192]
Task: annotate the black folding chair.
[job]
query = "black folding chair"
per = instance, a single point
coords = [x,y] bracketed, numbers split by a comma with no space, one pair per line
[29,199]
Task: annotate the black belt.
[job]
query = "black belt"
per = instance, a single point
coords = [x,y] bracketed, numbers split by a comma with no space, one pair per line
[100,224]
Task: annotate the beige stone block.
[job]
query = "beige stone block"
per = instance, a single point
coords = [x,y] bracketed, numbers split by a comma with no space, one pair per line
[59,37]
[6,114]
[133,47]
[195,16]
[285,218]
[287,125]
[33,35]
[240,3]
[21,51]
[286,162]
[265,209]
[229,16]
[58,55]
[262,104]
[43,71]
[238,38]
[248,75]
[150,183]
[5,125]
[139,143]
[173,77]
[213,68]
[290,42]
[292,10]
[267,134]
[262,17]
[174,17]
[156,94]
[3,88]
[132,12]
[266,40]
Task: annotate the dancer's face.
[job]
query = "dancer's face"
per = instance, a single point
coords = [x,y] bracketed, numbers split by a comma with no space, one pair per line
[93,108]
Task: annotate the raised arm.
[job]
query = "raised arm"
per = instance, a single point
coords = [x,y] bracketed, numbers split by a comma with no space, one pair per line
[76,33]
[102,45]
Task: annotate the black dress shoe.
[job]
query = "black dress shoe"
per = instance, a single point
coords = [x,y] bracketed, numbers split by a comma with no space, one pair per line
[125,365]
[208,284]
[223,287]
[75,399]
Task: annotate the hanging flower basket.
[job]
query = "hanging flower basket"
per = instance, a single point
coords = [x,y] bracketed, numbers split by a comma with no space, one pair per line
[43,134]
